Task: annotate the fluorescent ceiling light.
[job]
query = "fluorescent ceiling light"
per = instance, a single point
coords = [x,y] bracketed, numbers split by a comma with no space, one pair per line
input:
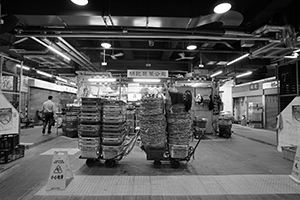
[293,56]
[222,8]
[216,74]
[72,83]
[23,67]
[244,74]
[61,79]
[105,45]
[211,62]
[80,2]
[191,47]
[238,59]
[51,48]
[146,80]
[296,51]
[44,73]
[221,63]
[102,79]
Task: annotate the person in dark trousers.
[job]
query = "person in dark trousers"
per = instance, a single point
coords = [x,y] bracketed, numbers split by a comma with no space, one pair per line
[48,110]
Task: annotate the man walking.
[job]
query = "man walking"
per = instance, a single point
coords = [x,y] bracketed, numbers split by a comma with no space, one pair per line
[48,110]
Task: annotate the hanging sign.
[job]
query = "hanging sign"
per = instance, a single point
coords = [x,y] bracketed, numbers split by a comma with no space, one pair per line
[254,86]
[147,73]
[295,176]
[60,171]
[270,85]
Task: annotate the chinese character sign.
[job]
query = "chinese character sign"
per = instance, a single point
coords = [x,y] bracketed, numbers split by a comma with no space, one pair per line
[147,73]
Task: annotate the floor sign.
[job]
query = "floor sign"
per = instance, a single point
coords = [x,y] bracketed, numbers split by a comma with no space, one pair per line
[60,171]
[295,176]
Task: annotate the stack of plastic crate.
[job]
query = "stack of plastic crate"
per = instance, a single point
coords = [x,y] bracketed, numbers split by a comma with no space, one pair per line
[130,120]
[89,141]
[10,149]
[70,121]
[114,128]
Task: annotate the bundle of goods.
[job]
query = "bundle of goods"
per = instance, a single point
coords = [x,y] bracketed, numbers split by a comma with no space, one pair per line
[152,122]
[10,149]
[89,130]
[70,121]
[114,128]
[179,130]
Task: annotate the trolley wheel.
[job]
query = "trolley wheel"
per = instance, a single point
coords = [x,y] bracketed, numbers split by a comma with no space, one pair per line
[157,163]
[175,163]
[90,162]
[110,163]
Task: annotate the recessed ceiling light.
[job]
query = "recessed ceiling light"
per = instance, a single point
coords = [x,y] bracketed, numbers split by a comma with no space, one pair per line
[105,45]
[80,2]
[191,47]
[222,8]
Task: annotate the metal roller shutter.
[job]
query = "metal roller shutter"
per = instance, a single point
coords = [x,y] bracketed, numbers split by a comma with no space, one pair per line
[271,111]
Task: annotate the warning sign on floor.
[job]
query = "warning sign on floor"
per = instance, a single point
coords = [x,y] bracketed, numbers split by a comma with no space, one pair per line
[296,167]
[60,171]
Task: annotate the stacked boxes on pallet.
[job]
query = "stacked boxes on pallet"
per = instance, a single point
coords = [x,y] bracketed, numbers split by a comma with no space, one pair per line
[10,149]
[114,128]
[89,141]
[70,121]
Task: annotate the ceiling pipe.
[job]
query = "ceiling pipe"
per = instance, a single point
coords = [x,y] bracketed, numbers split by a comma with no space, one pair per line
[120,35]
[77,53]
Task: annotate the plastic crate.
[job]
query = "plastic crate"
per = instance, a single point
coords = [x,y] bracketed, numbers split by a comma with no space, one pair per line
[89,119]
[84,127]
[9,141]
[111,121]
[88,141]
[178,151]
[90,151]
[74,113]
[109,152]
[6,156]
[86,133]
[71,118]
[112,139]
[155,153]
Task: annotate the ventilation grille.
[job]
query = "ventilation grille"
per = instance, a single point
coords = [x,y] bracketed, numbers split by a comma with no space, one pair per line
[288,82]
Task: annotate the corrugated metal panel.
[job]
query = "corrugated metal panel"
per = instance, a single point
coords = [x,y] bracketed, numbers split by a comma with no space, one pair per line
[285,101]
[38,97]
[271,109]
[287,78]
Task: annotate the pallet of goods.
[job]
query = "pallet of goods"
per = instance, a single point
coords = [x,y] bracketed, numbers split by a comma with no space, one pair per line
[89,129]
[153,127]
[70,121]
[114,128]
[180,130]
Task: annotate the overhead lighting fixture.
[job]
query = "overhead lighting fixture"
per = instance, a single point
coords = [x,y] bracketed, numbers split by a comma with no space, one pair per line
[293,56]
[238,59]
[102,79]
[44,73]
[146,80]
[51,48]
[216,74]
[244,74]
[61,79]
[80,2]
[222,8]
[72,83]
[23,67]
[105,45]
[104,63]
[191,47]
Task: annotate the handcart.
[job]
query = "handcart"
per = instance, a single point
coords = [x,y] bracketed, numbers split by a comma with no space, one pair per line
[174,154]
[224,123]
[119,153]
[199,127]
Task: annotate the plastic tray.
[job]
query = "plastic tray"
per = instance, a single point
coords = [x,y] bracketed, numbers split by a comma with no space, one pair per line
[109,152]
[178,151]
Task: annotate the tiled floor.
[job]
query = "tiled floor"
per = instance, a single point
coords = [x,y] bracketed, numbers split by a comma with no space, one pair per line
[235,168]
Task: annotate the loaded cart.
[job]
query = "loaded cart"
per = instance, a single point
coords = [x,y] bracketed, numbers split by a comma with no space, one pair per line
[110,141]
[166,131]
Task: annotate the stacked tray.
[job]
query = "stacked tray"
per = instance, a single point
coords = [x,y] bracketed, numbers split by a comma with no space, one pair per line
[70,121]
[89,129]
[113,128]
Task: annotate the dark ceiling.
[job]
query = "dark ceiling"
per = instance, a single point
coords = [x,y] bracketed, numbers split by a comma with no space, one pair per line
[151,32]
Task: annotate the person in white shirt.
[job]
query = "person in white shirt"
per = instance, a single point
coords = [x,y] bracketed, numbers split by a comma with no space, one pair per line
[48,110]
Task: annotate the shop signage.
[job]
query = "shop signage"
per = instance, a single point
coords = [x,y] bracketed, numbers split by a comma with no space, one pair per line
[147,74]
[254,86]
[295,176]
[60,171]
[9,117]
[270,85]
[296,113]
